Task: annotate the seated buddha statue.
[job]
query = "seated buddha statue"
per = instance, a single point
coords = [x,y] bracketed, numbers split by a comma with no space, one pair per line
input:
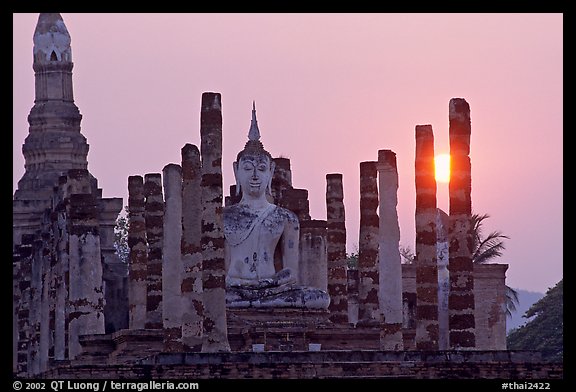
[253,229]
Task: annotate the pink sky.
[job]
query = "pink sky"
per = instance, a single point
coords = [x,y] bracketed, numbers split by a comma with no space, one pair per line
[330,90]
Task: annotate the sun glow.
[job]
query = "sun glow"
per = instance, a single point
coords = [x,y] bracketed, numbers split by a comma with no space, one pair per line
[442,167]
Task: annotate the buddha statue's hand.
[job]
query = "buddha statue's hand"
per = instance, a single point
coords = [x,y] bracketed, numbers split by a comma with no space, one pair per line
[263,284]
[251,284]
[283,277]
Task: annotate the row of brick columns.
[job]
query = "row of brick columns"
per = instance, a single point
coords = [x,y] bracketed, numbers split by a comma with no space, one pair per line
[176,240]
[58,277]
[194,312]
[379,265]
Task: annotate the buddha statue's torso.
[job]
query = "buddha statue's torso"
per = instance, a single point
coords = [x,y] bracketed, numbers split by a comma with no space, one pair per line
[252,236]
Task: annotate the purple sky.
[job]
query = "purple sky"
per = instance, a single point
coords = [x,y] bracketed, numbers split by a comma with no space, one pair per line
[330,90]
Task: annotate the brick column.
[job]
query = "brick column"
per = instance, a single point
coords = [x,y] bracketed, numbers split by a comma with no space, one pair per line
[47,298]
[61,316]
[490,303]
[352,285]
[409,306]
[86,292]
[115,272]
[24,275]
[426,265]
[16,298]
[296,200]
[368,245]
[35,307]
[215,328]
[313,265]
[137,279]
[389,253]
[282,178]
[172,262]
[55,280]
[461,299]
[443,277]
[192,305]
[336,249]
[154,219]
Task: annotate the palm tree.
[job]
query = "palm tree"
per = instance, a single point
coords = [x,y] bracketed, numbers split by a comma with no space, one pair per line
[488,248]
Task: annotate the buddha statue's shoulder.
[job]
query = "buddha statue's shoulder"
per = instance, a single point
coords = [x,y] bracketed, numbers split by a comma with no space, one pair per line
[237,217]
[236,209]
[241,212]
[285,214]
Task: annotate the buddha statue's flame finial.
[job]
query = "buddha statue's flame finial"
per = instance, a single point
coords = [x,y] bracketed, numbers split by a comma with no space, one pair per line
[254,145]
[254,132]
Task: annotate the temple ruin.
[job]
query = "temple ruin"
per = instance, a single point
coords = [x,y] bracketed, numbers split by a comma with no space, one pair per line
[80,312]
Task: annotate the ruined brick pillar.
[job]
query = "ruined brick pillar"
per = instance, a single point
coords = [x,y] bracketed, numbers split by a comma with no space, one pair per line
[154,219]
[35,307]
[426,265]
[172,262]
[85,292]
[215,330]
[490,304]
[409,306]
[390,265]
[443,277]
[352,285]
[16,298]
[281,179]
[368,311]
[137,279]
[296,200]
[461,321]
[336,249]
[62,278]
[47,295]
[115,271]
[313,266]
[191,287]
[51,280]
[23,280]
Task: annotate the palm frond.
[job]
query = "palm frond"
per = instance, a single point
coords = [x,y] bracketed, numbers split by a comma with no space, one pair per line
[511,300]
[488,248]
[485,249]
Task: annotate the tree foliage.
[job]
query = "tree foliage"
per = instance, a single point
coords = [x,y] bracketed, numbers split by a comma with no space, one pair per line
[352,260]
[407,255]
[121,236]
[544,332]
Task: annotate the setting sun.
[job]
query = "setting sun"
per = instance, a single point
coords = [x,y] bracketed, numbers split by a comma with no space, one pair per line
[442,167]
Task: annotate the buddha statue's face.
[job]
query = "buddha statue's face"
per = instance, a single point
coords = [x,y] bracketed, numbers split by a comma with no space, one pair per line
[254,174]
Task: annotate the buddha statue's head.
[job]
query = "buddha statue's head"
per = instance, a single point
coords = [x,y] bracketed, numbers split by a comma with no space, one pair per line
[254,166]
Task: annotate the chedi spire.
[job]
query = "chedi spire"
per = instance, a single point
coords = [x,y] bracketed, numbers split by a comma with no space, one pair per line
[54,144]
[51,39]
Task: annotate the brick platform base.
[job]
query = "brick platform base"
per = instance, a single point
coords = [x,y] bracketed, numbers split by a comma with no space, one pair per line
[511,365]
